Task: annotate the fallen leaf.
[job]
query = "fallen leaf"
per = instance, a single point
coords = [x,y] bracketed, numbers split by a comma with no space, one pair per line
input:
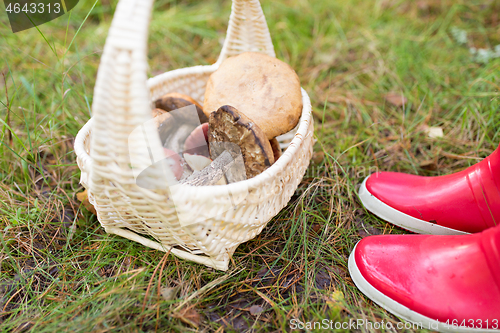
[396,99]
[189,316]
[429,165]
[255,310]
[337,296]
[322,280]
[316,228]
[435,132]
[83,197]
[168,293]
[334,301]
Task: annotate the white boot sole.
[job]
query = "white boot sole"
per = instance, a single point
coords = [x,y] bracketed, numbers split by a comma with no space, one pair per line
[400,310]
[405,221]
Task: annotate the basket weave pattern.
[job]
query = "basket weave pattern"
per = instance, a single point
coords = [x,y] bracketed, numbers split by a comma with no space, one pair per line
[221,217]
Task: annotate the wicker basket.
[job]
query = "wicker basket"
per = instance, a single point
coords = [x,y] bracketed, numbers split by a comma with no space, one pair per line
[220,217]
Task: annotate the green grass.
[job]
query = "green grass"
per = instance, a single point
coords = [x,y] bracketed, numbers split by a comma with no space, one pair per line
[61,272]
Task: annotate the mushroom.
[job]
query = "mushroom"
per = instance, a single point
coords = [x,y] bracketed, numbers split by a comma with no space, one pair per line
[212,174]
[233,131]
[197,142]
[261,87]
[174,101]
[174,128]
[174,162]
[198,163]
[157,112]
[275,145]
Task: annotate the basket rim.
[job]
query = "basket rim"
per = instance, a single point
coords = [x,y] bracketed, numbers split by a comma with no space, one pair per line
[216,190]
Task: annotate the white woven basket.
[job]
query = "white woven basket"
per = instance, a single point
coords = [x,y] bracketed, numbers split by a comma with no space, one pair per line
[221,217]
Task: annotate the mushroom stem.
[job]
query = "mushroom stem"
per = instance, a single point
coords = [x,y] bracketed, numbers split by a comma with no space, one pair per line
[212,173]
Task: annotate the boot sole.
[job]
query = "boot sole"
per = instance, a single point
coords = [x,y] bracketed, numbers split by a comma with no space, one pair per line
[400,310]
[405,221]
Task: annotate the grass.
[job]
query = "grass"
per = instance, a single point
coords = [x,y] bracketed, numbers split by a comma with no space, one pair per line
[61,272]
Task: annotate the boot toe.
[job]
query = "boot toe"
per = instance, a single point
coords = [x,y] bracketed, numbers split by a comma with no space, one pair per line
[444,278]
[395,190]
[444,201]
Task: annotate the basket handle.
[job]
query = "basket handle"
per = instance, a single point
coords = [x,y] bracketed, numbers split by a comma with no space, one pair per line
[122,100]
[122,104]
[247,31]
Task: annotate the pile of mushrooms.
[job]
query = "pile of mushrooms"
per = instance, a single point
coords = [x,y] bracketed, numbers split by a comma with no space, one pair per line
[249,100]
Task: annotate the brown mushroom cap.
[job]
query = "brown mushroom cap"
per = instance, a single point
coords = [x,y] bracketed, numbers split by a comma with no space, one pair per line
[197,142]
[174,101]
[226,125]
[174,127]
[263,88]
[275,145]
[157,112]
[174,162]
